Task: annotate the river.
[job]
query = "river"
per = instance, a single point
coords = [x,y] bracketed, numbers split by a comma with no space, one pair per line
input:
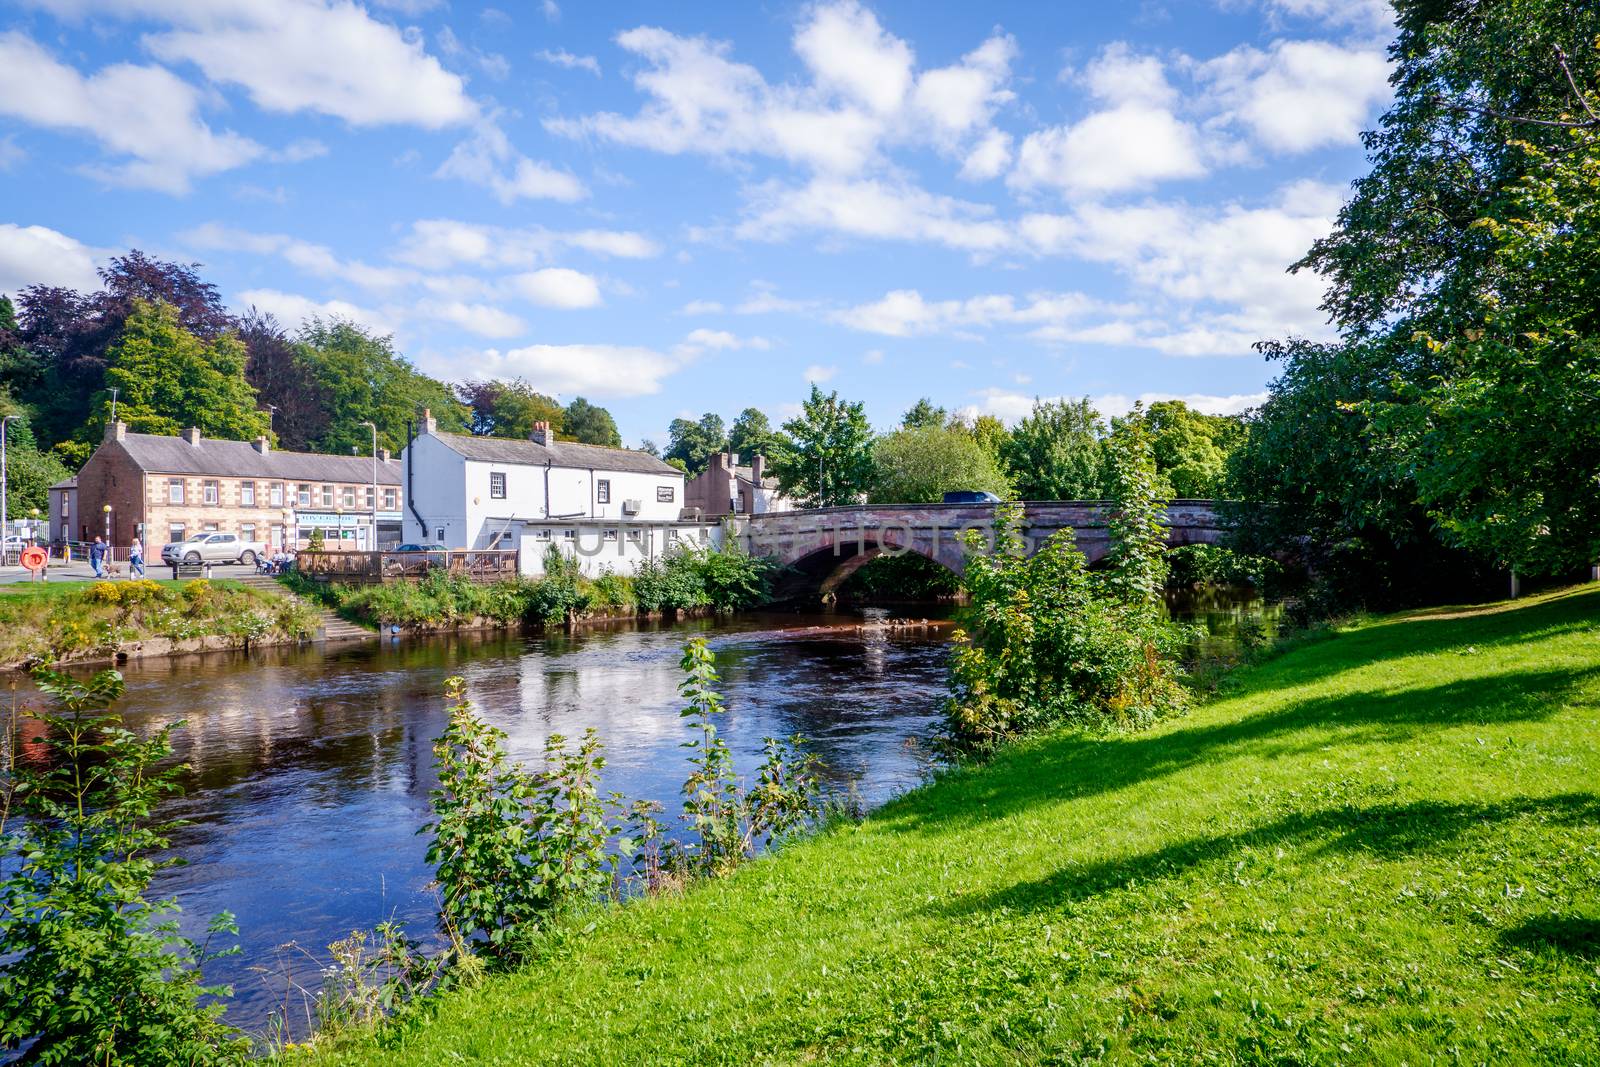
[311,769]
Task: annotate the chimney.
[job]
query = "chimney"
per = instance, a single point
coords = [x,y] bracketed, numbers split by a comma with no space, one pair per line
[192,435]
[116,431]
[540,434]
[758,467]
[383,455]
[262,445]
[733,461]
[429,423]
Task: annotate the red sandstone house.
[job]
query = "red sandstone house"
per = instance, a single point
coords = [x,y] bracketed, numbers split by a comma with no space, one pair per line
[170,488]
[725,488]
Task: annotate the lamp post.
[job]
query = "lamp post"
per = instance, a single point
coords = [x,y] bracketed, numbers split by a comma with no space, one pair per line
[110,552]
[5,485]
[372,545]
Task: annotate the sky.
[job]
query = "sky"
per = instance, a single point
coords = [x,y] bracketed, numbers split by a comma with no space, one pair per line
[678,208]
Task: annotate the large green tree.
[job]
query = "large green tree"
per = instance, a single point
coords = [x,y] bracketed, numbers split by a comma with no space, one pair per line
[591,424]
[831,461]
[924,413]
[29,471]
[361,378]
[501,408]
[167,379]
[1056,452]
[919,464]
[693,442]
[752,434]
[1190,449]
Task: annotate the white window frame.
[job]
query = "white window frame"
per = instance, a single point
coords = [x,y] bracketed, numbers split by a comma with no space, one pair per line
[175,490]
[602,491]
[247,494]
[497,485]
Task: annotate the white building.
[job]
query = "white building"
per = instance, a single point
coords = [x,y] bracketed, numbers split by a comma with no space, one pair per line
[609,508]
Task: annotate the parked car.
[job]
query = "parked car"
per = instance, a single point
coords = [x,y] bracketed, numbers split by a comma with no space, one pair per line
[970,496]
[213,548]
[421,548]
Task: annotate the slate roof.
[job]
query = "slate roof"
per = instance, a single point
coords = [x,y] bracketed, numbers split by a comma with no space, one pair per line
[158,454]
[67,483]
[558,454]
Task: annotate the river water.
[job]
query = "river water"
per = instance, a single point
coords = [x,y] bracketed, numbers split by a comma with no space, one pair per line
[311,769]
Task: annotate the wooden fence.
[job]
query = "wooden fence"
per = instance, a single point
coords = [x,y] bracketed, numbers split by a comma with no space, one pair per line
[488,565]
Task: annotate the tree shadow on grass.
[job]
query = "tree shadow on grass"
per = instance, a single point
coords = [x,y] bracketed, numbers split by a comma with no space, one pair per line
[1074,766]
[1569,935]
[1383,831]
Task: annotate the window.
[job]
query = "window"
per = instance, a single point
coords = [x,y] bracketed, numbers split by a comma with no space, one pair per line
[569,535]
[247,531]
[66,505]
[439,535]
[636,537]
[175,493]
[327,496]
[672,537]
[497,485]
[372,498]
[609,536]
[390,501]
[602,491]
[276,494]
[175,533]
[212,490]
[247,494]
[348,497]
[209,527]
[666,494]
[303,496]
[541,535]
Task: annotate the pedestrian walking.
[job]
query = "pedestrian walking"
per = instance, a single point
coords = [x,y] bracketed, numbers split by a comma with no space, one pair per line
[97,556]
[136,558]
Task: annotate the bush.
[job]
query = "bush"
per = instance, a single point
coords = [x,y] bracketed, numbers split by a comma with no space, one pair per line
[1193,565]
[1045,642]
[90,970]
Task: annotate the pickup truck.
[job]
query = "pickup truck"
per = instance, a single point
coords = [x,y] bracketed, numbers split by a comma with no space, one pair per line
[214,548]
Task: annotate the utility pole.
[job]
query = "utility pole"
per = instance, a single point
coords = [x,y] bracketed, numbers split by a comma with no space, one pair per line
[372,545]
[5,485]
[113,404]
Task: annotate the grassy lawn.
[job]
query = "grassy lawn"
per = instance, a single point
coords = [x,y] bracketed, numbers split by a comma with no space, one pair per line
[1382,847]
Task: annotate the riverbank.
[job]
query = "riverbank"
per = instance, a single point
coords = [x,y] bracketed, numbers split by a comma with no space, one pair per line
[60,623]
[1378,847]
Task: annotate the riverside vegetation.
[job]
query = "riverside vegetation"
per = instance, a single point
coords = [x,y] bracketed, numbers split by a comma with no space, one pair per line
[63,622]
[685,580]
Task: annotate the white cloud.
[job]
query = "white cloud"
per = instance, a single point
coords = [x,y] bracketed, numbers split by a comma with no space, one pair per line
[702,340]
[1132,142]
[595,370]
[701,307]
[872,356]
[481,319]
[10,153]
[438,243]
[324,56]
[557,287]
[487,158]
[144,114]
[863,94]
[563,58]
[989,158]
[1372,14]
[38,255]
[904,313]
[816,373]
[292,310]
[551,10]
[1298,95]
[874,209]
[314,259]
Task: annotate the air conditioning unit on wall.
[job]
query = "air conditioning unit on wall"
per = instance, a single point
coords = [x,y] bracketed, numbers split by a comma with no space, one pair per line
[631,507]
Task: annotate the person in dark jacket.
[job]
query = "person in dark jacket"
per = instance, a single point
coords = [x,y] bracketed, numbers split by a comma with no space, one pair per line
[97,557]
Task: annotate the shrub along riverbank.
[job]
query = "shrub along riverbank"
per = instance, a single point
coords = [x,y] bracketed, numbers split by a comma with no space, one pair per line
[1378,847]
[690,580]
[60,622]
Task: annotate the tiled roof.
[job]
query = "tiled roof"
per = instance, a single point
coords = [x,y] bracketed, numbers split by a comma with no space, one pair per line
[557,454]
[67,483]
[158,454]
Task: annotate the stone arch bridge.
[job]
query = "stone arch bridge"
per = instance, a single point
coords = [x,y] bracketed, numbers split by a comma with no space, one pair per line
[824,546]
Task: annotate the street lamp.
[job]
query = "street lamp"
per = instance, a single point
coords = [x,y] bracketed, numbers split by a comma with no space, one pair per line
[4,483]
[372,546]
[110,553]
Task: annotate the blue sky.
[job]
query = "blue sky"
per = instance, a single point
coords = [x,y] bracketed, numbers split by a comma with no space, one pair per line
[678,208]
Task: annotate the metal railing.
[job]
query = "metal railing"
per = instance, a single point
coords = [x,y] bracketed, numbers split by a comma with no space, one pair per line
[478,565]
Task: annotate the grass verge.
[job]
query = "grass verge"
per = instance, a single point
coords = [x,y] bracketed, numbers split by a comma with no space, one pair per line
[64,622]
[1383,847]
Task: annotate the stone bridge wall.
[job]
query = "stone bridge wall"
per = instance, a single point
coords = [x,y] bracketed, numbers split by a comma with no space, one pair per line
[828,544]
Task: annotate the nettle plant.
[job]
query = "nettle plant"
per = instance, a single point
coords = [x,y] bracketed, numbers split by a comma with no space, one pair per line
[1045,641]
[90,970]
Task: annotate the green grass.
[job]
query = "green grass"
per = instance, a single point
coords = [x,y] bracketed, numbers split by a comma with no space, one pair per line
[1382,847]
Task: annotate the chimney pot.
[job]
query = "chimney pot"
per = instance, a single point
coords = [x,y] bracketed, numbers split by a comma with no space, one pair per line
[758,467]
[192,435]
[540,434]
[429,423]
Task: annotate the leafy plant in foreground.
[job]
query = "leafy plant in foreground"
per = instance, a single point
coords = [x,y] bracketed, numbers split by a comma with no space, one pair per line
[92,971]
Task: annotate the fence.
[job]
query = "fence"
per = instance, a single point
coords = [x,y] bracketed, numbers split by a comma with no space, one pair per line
[486,565]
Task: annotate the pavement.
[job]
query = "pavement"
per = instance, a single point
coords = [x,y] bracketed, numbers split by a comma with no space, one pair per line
[79,571]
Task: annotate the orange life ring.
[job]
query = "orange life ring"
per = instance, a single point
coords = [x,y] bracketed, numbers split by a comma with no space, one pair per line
[34,558]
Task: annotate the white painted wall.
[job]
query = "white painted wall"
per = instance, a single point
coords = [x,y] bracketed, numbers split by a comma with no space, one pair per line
[438,490]
[600,547]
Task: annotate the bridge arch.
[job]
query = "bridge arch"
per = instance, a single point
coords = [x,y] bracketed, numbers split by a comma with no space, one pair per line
[825,568]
